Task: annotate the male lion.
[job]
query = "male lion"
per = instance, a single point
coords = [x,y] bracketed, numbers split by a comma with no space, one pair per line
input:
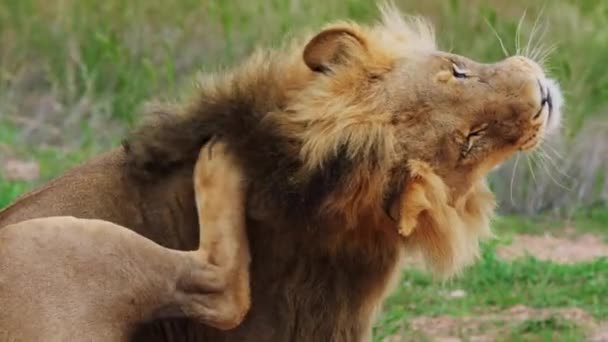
[69,279]
[346,141]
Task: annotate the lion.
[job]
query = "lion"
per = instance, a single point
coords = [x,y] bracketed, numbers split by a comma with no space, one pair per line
[68,279]
[359,145]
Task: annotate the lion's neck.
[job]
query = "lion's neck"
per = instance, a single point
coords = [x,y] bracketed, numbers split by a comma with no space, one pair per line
[309,283]
[315,285]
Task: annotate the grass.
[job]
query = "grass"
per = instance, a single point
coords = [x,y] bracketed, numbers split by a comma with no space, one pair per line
[11,190]
[53,160]
[550,329]
[493,285]
[585,220]
[73,75]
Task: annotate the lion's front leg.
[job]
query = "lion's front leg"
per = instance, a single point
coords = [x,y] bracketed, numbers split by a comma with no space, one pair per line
[220,200]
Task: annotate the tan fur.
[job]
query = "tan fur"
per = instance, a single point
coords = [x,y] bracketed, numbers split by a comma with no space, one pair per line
[331,134]
[63,278]
[446,233]
[362,109]
[223,238]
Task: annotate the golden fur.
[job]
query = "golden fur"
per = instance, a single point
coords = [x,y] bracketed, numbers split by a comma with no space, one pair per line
[446,234]
[372,99]
[345,141]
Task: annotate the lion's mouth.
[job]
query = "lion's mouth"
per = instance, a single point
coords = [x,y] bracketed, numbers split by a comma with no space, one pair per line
[550,102]
[554,100]
[546,100]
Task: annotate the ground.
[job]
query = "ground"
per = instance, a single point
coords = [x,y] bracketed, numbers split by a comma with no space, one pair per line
[548,285]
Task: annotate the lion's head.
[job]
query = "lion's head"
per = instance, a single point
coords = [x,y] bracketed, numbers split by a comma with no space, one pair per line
[387,87]
[350,122]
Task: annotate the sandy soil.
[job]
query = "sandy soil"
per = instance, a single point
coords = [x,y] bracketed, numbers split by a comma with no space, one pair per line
[486,328]
[557,249]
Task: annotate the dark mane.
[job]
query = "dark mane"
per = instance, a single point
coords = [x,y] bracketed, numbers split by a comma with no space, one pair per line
[236,111]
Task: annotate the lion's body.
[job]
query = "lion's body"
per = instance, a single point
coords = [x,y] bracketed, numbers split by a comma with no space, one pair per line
[64,278]
[68,279]
[101,189]
[326,144]
[293,275]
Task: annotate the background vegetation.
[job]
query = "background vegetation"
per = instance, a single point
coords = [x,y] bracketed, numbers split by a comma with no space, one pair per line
[74,73]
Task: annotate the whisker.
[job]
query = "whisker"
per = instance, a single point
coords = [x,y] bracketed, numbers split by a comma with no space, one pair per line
[546,54]
[552,149]
[502,45]
[544,143]
[530,168]
[536,51]
[549,50]
[551,70]
[554,165]
[513,177]
[550,162]
[543,154]
[533,32]
[553,178]
[539,42]
[536,158]
[518,32]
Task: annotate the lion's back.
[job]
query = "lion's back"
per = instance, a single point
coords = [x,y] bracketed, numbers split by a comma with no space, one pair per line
[96,189]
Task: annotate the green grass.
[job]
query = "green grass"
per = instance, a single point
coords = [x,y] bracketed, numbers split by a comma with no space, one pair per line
[549,330]
[11,190]
[52,160]
[585,220]
[101,60]
[493,285]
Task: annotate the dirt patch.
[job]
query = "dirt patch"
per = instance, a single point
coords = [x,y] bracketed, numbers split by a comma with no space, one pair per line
[600,334]
[20,170]
[487,327]
[557,249]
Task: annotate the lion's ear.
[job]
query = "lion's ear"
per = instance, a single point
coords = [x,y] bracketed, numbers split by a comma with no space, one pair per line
[332,47]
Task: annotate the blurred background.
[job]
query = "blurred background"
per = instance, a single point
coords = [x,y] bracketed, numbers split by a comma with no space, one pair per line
[75,73]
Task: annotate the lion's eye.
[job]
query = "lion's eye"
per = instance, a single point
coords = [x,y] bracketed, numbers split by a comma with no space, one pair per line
[459,72]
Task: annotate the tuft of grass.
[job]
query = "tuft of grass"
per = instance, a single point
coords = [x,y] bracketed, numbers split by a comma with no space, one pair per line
[550,329]
[10,191]
[591,219]
[493,284]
